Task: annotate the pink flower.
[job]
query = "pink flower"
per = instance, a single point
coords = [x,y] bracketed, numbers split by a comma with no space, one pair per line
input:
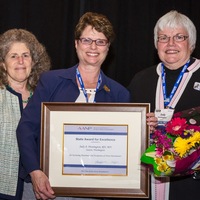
[175,149]
[163,143]
[176,126]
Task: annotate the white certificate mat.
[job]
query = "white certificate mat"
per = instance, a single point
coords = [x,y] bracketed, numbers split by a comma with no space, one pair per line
[95,149]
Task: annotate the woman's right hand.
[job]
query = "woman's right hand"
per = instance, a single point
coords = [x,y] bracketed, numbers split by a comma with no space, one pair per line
[41,185]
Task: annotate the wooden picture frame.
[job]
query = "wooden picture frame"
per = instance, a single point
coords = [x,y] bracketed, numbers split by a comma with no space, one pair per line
[122,123]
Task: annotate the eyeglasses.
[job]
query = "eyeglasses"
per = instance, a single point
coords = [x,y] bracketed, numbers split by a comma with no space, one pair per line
[176,38]
[89,41]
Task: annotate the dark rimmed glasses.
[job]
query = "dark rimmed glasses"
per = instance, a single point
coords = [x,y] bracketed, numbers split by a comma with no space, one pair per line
[98,42]
[176,38]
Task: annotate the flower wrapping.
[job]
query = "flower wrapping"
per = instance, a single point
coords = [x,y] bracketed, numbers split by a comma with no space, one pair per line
[175,146]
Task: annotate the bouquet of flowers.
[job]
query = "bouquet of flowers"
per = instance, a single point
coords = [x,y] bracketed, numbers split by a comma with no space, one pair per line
[175,148]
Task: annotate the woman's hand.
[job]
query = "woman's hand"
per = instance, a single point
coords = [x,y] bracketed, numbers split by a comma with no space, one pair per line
[41,185]
[152,121]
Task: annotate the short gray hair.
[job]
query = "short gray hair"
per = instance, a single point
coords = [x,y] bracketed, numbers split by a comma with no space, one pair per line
[174,19]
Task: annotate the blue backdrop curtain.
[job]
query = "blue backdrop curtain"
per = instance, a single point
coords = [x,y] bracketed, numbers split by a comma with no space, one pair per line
[53,22]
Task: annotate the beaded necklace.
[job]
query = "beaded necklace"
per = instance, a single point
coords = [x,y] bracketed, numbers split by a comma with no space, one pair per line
[27,100]
[23,101]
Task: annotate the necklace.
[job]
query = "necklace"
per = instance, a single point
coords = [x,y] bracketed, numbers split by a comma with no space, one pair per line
[82,84]
[27,100]
[23,101]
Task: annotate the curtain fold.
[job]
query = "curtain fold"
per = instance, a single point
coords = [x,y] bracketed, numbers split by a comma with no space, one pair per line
[53,23]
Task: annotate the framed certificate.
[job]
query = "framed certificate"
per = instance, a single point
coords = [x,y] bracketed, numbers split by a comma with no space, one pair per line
[94,149]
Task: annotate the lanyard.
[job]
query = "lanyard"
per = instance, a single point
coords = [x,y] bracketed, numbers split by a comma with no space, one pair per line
[82,84]
[168,99]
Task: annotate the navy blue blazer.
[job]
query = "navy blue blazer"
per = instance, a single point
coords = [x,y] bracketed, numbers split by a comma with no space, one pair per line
[56,86]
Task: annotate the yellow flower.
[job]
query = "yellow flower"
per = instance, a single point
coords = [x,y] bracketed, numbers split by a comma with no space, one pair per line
[162,164]
[184,145]
[195,139]
[158,160]
[163,167]
[181,146]
[168,157]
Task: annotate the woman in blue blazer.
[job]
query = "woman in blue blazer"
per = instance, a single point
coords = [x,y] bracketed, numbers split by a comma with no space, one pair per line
[85,82]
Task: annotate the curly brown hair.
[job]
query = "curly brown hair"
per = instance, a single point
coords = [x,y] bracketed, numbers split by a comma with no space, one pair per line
[40,57]
[98,21]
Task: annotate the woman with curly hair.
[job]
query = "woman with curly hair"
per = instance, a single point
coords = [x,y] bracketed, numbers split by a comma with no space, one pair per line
[22,60]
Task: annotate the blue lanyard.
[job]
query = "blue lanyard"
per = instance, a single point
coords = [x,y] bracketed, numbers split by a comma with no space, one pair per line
[168,99]
[82,84]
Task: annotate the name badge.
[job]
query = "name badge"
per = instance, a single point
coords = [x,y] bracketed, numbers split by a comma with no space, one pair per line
[164,115]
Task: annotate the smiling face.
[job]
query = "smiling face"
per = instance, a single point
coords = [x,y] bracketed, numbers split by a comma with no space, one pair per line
[172,53]
[18,63]
[91,55]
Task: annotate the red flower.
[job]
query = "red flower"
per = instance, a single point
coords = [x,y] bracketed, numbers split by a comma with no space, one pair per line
[176,126]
